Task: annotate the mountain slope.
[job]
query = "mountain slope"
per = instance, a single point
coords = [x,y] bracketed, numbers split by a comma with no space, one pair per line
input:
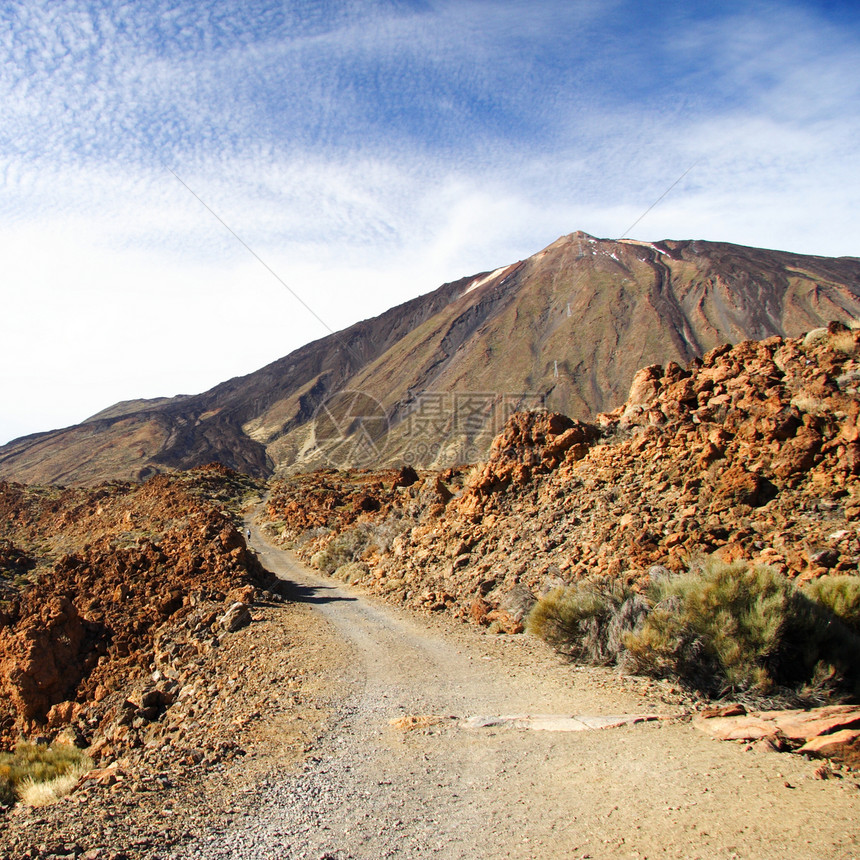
[566,328]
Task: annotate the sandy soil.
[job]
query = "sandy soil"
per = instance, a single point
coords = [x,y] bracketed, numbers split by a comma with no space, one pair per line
[656,789]
[309,691]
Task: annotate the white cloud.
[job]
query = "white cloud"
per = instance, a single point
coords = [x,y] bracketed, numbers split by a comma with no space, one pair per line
[368,153]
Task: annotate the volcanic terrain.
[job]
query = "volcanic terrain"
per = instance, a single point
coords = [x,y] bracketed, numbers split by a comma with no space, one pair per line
[565,329]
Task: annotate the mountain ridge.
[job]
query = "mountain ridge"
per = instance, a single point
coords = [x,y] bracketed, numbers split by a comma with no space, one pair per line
[567,328]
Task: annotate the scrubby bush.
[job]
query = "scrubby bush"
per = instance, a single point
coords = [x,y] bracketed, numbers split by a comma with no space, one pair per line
[840,595]
[346,547]
[587,620]
[730,628]
[351,572]
[353,544]
[383,532]
[719,628]
[40,774]
[304,538]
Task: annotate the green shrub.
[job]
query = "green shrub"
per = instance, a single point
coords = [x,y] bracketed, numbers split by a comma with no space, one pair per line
[839,595]
[721,625]
[730,628]
[36,764]
[719,628]
[588,620]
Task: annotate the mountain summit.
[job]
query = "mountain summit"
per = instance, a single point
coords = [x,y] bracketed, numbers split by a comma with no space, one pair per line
[432,380]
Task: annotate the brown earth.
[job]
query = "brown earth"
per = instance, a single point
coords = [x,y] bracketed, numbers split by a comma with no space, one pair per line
[283,741]
[132,628]
[101,638]
[249,708]
[421,760]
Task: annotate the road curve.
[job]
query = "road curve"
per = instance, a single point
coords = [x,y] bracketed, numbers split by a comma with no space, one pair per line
[373,790]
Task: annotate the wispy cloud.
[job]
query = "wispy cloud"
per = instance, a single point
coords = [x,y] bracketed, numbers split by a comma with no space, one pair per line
[371,150]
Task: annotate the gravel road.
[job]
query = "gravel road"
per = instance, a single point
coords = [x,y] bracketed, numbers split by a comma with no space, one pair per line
[374,790]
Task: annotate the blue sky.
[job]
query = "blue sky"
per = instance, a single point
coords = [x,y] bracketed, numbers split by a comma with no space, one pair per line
[370,151]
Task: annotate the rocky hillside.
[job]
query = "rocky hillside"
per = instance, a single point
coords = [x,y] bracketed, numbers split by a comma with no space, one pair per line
[751,452]
[110,596]
[566,329]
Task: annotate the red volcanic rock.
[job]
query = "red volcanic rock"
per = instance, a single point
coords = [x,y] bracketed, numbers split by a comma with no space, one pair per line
[739,486]
[87,627]
[440,488]
[13,560]
[244,594]
[331,499]
[368,503]
[842,746]
[804,725]
[41,663]
[503,621]
[645,387]
[406,477]
[531,443]
[478,610]
[733,710]
[797,454]
[829,732]
[537,438]
[751,453]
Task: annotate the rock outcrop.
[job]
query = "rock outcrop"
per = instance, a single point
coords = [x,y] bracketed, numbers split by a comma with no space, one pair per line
[830,732]
[751,452]
[88,627]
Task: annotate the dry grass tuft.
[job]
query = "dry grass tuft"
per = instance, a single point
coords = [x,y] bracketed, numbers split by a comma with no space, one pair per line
[36,772]
[33,793]
[810,404]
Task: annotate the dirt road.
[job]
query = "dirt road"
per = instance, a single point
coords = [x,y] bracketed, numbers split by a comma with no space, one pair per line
[373,790]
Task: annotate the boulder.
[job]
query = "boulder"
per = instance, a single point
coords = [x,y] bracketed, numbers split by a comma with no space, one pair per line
[503,622]
[406,477]
[739,486]
[235,618]
[828,732]
[645,386]
[842,746]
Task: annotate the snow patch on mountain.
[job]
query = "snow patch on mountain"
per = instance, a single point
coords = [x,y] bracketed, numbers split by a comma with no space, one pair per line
[486,279]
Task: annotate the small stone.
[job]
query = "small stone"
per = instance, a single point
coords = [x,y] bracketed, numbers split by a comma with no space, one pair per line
[235,618]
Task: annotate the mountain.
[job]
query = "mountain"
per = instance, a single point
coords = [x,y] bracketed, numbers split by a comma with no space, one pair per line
[432,380]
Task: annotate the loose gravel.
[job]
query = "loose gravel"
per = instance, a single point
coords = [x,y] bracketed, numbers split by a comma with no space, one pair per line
[372,789]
